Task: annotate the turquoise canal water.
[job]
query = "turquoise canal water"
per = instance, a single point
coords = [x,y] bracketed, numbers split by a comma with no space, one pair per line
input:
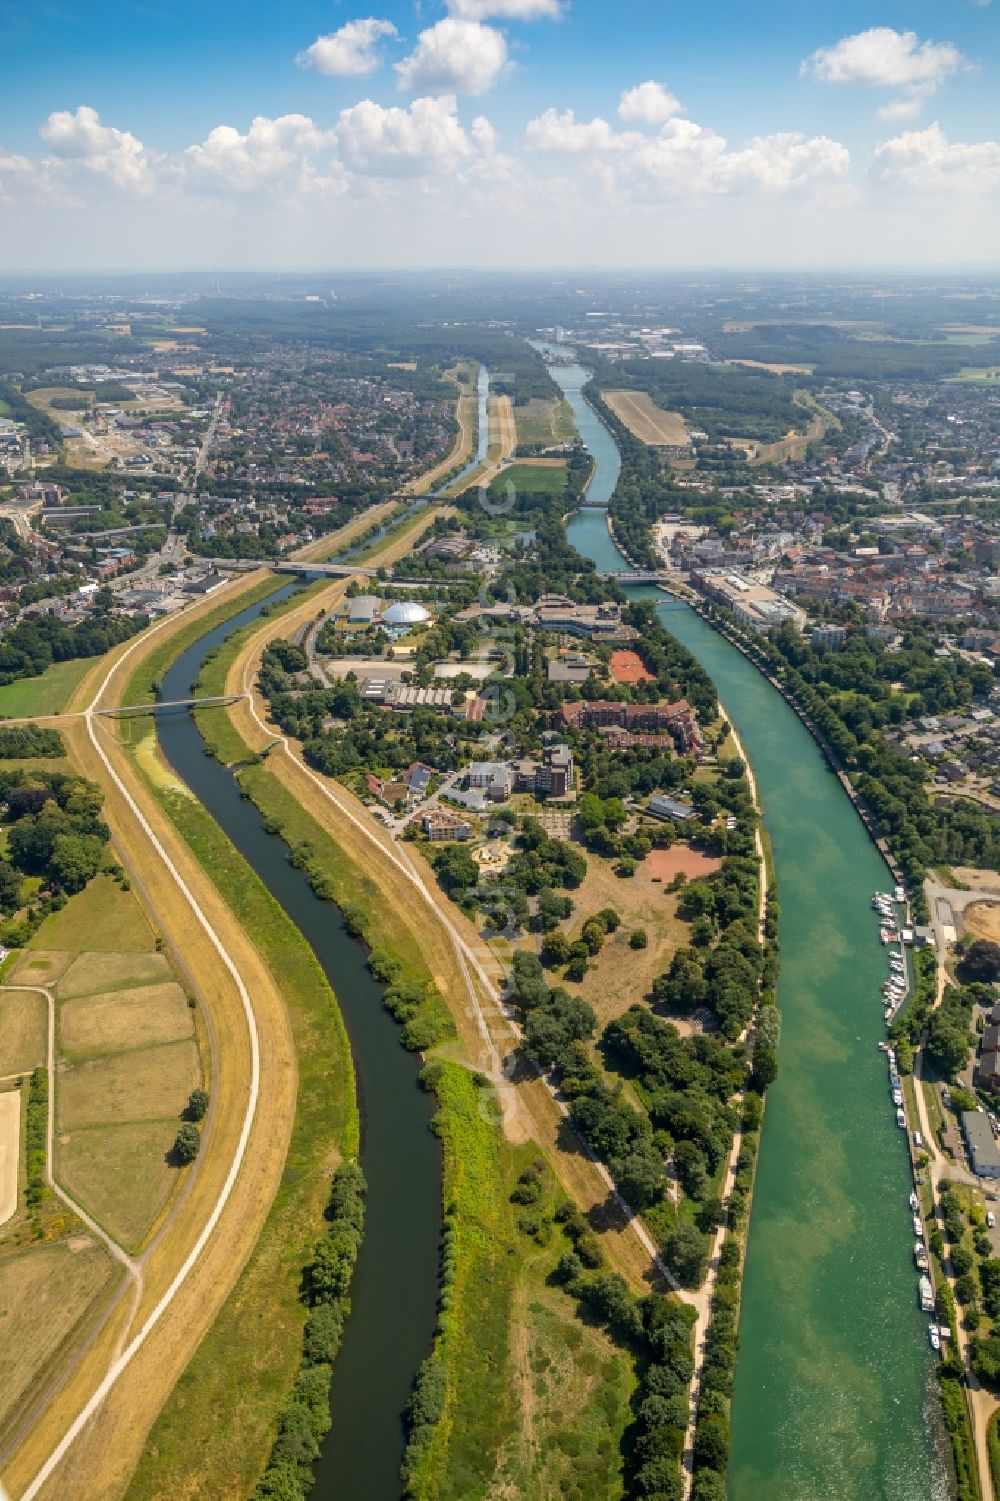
[834,1396]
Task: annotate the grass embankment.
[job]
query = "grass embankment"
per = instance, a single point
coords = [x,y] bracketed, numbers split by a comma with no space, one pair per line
[215,1431]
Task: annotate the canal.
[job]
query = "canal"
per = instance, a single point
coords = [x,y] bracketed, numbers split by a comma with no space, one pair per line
[394,1292]
[834,1397]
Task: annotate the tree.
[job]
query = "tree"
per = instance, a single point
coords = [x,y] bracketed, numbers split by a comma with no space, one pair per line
[640,1176]
[197,1105]
[685,1253]
[981,961]
[186,1144]
[555,949]
[637,939]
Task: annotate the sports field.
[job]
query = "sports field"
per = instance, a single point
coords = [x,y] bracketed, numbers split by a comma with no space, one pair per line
[646,421]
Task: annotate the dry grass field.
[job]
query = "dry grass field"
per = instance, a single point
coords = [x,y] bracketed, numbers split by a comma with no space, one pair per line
[95,1163]
[102,1023]
[775,369]
[646,421]
[94,974]
[982,920]
[620,975]
[38,969]
[142,1085]
[46,1293]
[544,421]
[22,1032]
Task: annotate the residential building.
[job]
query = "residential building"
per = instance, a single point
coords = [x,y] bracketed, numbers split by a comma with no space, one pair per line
[984,1155]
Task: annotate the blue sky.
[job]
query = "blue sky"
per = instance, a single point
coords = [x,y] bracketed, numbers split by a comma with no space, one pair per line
[870,116]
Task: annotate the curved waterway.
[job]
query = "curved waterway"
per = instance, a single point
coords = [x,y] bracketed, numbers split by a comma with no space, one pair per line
[834,1396]
[394,1293]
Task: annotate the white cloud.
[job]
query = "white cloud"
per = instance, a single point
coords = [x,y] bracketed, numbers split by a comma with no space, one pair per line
[906,107]
[687,159]
[10,162]
[883,58]
[927,161]
[272,152]
[565,134]
[426,138]
[350,52]
[648,104]
[79,137]
[506,10]
[454,57]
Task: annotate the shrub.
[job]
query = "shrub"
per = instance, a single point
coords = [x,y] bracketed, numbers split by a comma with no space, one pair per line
[186,1145]
[197,1105]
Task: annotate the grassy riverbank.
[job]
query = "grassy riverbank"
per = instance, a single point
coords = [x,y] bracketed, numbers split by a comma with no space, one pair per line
[492,1352]
[215,1431]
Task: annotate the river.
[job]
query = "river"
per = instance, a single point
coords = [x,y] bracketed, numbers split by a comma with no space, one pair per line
[394,1292]
[834,1396]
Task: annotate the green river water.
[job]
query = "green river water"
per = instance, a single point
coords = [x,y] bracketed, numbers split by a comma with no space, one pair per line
[835,1397]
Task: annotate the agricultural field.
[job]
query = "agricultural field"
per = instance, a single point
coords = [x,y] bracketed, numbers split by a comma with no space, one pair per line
[646,421]
[127,1055]
[23,1029]
[48,1295]
[543,421]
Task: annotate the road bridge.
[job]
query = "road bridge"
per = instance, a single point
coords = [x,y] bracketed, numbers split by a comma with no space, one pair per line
[291,565]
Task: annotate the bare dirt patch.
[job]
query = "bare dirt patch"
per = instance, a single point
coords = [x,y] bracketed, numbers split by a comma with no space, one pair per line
[120,1175]
[646,421]
[680,859]
[23,1030]
[983,921]
[146,1084]
[93,974]
[44,1294]
[124,1019]
[977,880]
